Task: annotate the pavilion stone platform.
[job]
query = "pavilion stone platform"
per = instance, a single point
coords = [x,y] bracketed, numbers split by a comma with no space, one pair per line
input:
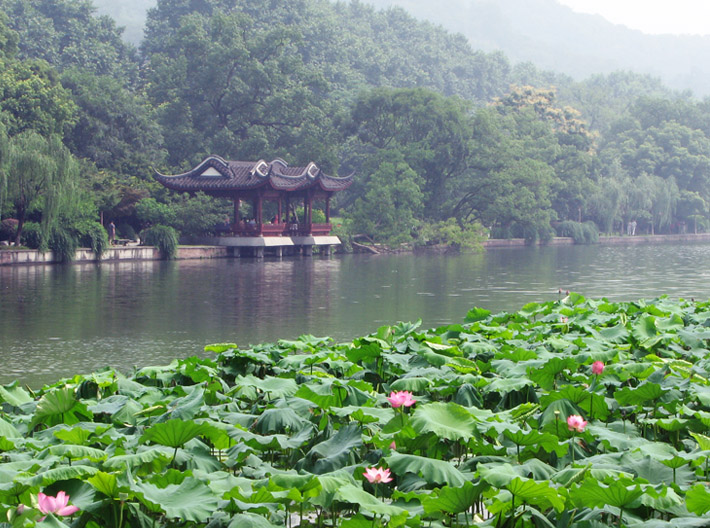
[250,246]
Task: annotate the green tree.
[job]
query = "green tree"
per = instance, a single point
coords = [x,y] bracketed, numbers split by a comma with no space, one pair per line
[223,87]
[39,174]
[31,97]
[389,209]
[66,34]
[431,133]
[113,127]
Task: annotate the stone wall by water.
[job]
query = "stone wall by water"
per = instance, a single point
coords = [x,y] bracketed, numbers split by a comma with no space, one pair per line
[31,256]
[10,257]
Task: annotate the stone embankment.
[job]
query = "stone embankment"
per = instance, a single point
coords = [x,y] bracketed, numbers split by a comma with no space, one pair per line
[607,240]
[9,257]
[114,254]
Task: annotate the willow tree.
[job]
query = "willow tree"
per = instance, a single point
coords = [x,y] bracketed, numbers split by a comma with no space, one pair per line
[39,170]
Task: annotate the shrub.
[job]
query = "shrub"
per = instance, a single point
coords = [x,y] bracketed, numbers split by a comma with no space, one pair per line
[125,230]
[93,235]
[467,238]
[585,233]
[31,235]
[8,229]
[163,237]
[63,243]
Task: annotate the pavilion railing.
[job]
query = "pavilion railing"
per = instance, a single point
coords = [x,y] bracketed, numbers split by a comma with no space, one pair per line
[289,229]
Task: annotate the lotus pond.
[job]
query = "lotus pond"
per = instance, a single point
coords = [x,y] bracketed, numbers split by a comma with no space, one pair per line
[576,412]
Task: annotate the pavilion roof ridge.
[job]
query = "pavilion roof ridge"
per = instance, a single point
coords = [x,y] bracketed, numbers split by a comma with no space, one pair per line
[215,174]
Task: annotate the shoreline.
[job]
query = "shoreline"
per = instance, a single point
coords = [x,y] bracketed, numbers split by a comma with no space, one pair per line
[16,257]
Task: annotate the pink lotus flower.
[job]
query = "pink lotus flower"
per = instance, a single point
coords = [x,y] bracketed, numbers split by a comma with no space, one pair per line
[576,423]
[393,445]
[57,505]
[564,320]
[597,368]
[401,398]
[377,475]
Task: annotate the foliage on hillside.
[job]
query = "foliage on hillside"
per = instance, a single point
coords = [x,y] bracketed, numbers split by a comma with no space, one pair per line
[434,130]
[568,413]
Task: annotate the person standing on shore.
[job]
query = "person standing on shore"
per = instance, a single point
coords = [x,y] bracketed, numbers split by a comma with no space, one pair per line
[111,232]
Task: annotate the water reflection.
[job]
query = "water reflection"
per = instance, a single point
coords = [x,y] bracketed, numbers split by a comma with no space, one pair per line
[61,320]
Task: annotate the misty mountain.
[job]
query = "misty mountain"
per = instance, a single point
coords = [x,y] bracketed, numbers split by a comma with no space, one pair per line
[544,32]
[554,37]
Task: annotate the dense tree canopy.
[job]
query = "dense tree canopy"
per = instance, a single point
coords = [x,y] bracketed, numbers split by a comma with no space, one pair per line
[439,135]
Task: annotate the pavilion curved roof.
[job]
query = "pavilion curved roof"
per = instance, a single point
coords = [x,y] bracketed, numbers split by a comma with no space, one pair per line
[218,175]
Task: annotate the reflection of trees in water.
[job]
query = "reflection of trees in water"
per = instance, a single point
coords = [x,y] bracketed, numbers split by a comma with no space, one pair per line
[269,300]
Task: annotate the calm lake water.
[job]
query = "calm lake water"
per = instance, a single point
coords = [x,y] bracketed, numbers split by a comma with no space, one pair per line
[57,321]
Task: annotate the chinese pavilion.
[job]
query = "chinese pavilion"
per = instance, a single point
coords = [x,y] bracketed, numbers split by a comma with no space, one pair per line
[259,183]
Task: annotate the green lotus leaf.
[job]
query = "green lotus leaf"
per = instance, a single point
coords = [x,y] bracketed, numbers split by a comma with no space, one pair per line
[654,471]
[644,328]
[542,494]
[320,394]
[669,324]
[453,499]
[613,334]
[250,520]
[354,495]
[498,475]
[53,406]
[432,470]
[75,435]
[463,365]
[434,358]
[365,352]
[276,420]
[664,500]
[218,348]
[505,385]
[620,493]
[646,391]
[702,440]
[173,433]
[546,375]
[476,314]
[548,442]
[274,387]
[585,400]
[61,473]
[143,456]
[76,452]
[365,414]
[189,501]
[446,420]
[14,395]
[334,453]
[412,384]
[105,483]
[8,430]
[697,499]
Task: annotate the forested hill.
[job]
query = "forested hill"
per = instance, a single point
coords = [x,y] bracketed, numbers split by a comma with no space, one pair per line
[544,32]
[446,140]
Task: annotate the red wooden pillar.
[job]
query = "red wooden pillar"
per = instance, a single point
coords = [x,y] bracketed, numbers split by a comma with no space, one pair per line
[327,209]
[237,201]
[259,219]
[279,218]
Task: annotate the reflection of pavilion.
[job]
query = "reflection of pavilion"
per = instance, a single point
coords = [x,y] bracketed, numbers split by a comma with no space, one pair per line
[274,190]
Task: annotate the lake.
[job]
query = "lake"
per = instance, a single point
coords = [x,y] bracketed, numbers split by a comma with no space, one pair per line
[61,320]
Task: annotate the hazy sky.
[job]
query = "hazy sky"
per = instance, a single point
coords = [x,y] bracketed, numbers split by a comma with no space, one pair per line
[651,16]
